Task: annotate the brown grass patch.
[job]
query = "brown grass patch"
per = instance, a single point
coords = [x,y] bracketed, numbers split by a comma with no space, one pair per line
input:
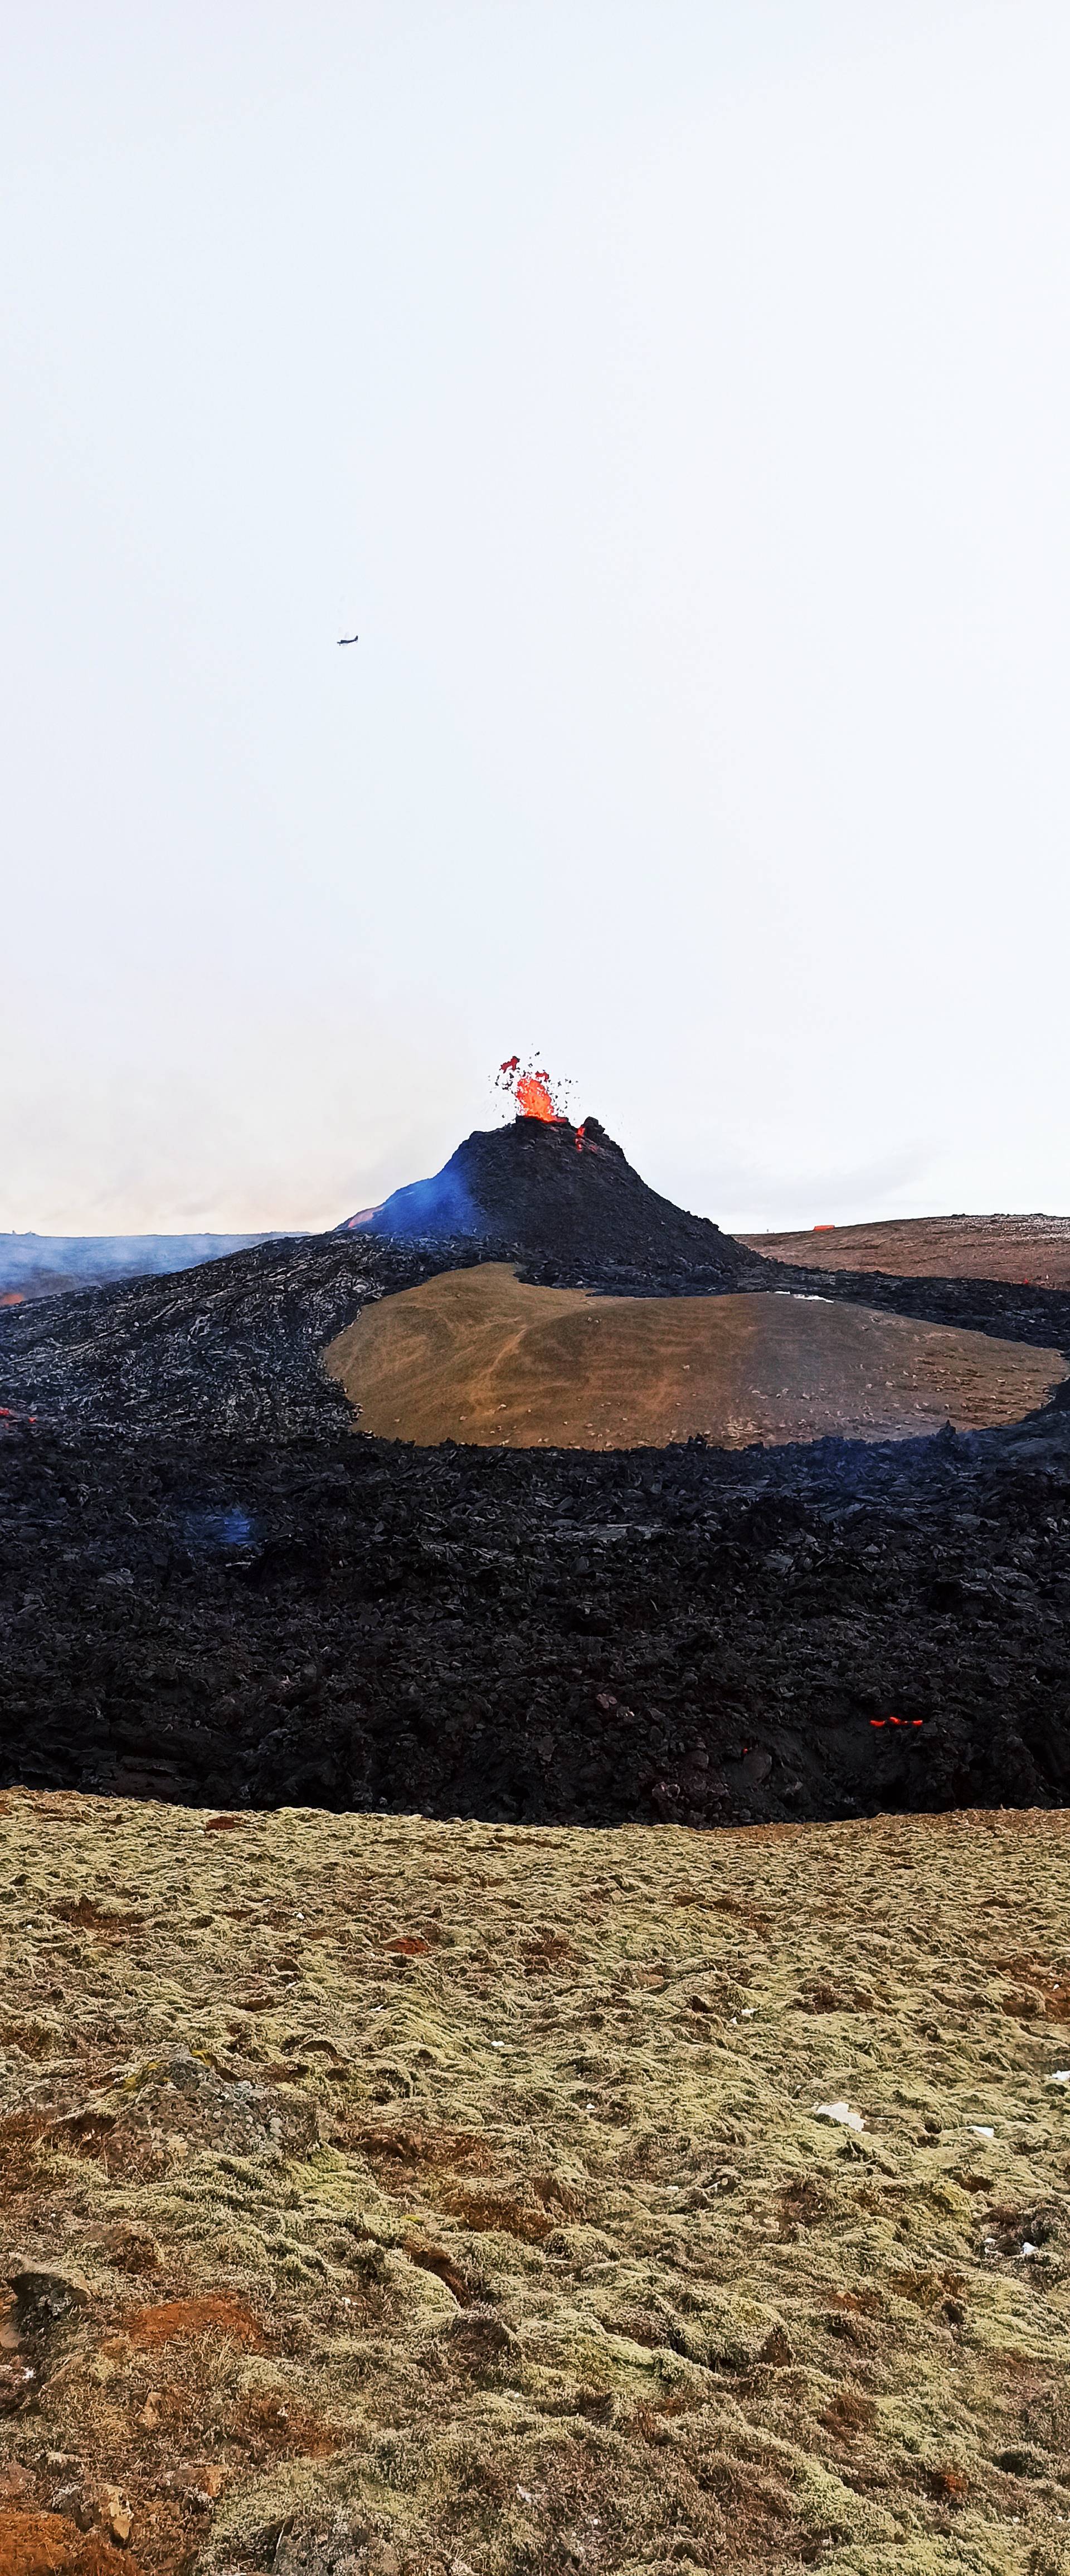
[850,2413]
[927,2290]
[548,1950]
[1045,1989]
[406,2151]
[484,2211]
[752,1915]
[32,2038]
[85,1915]
[433,2258]
[271,2426]
[948,2485]
[803,2203]
[21,2135]
[819,1998]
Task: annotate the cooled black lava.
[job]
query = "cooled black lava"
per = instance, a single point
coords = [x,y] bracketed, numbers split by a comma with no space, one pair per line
[537,1636]
[211,1590]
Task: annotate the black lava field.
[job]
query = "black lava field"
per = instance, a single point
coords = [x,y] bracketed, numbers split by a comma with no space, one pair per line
[212,1590]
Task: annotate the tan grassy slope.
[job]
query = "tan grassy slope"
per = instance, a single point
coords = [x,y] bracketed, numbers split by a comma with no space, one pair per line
[409,2197]
[479,1355]
[1033,1248]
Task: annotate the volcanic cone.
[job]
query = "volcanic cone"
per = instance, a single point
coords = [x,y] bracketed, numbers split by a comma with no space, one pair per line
[557,1191]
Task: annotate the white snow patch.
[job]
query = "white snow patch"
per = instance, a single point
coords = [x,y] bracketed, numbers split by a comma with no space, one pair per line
[840,2111]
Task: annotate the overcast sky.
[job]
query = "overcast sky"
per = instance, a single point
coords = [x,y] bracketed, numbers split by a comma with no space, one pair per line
[675,395]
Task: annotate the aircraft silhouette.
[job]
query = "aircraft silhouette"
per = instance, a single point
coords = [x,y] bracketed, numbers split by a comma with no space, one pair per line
[349,639]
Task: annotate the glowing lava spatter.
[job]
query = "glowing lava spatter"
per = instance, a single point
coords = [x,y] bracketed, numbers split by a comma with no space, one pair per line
[532,1097]
[530,1087]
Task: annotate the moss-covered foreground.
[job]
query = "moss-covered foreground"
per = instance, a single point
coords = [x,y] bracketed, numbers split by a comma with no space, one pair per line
[407,2196]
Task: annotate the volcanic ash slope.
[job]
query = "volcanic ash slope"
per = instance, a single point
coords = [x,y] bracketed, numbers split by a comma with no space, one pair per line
[391,2196]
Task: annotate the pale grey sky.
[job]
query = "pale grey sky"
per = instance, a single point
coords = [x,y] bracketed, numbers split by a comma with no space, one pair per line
[675,394]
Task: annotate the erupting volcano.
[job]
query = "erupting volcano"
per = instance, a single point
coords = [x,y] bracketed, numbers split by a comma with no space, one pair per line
[510,1349]
[526,1188]
[635,1524]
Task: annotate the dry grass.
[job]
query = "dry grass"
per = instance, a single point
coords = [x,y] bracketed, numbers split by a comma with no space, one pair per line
[411,2197]
[1019,1248]
[477,1355]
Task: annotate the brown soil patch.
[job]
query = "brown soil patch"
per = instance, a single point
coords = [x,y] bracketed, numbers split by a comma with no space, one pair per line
[1033,1249]
[478,1356]
[46,2544]
[179,2320]
[87,1916]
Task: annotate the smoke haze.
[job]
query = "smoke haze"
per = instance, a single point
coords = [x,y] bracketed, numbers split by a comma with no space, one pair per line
[675,398]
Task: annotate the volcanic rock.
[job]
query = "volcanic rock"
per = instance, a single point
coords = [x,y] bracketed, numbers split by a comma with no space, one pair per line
[552,1188]
[43,2297]
[295,1615]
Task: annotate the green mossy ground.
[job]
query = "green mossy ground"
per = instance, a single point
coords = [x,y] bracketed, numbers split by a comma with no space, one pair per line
[521,2247]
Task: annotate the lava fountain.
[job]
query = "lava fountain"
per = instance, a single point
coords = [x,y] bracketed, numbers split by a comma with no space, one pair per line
[531,1089]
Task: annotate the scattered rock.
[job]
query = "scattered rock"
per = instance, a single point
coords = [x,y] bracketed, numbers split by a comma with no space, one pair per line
[43,2297]
[117,2512]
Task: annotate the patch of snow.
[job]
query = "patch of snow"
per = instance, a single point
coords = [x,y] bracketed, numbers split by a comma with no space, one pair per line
[841,2112]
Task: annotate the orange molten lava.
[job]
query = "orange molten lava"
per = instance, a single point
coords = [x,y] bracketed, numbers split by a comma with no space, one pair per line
[532,1098]
[530,1087]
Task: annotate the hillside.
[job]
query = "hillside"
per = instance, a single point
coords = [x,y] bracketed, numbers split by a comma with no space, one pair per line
[391,2196]
[480,1355]
[1034,1250]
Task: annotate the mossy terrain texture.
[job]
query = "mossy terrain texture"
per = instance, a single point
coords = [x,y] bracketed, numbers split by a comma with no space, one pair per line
[395,2195]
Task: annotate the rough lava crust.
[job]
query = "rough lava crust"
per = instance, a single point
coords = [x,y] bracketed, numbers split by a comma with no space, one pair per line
[211,1590]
